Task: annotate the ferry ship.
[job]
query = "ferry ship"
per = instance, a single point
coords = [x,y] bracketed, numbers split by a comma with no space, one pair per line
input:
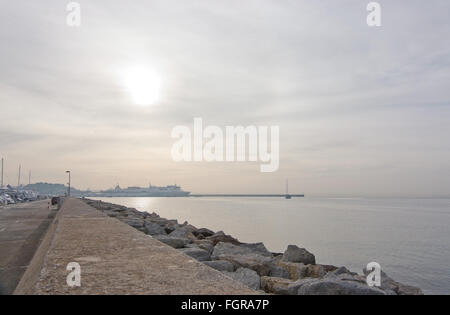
[151,191]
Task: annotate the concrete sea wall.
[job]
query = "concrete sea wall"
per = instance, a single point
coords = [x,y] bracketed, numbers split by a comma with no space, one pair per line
[115,259]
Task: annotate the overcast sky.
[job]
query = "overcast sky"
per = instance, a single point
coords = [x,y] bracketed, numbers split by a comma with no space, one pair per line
[362,110]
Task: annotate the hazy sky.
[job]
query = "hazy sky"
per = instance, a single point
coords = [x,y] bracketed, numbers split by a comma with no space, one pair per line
[361,110]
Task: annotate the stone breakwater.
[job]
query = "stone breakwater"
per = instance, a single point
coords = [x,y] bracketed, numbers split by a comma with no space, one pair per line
[294,272]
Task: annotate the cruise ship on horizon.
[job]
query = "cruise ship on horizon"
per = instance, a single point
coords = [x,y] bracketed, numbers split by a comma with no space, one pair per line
[150,191]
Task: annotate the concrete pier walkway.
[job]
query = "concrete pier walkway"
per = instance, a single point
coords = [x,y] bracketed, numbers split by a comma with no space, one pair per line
[115,259]
[22,228]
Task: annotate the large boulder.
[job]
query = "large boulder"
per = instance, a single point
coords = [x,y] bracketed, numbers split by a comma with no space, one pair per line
[192,245]
[183,232]
[315,271]
[202,233]
[179,232]
[205,244]
[261,264]
[331,287]
[329,268]
[298,255]
[220,265]
[175,242]
[393,287]
[137,223]
[404,289]
[348,277]
[340,271]
[154,229]
[244,256]
[222,237]
[136,213]
[293,287]
[189,227]
[171,225]
[257,248]
[196,253]
[247,276]
[226,249]
[299,271]
[295,270]
[160,221]
[278,272]
[275,285]
[153,215]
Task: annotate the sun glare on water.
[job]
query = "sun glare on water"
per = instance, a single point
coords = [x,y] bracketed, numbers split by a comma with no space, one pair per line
[143,84]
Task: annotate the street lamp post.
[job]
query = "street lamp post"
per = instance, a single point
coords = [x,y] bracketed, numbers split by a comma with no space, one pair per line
[68,193]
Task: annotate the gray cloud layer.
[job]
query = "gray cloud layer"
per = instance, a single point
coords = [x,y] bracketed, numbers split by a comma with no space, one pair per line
[361,110]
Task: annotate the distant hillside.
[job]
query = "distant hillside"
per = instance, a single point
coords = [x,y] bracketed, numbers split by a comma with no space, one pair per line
[53,189]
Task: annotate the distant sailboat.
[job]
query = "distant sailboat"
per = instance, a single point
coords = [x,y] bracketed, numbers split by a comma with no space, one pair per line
[287,190]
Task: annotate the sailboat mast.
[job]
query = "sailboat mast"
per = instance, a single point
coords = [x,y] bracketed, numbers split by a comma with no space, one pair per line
[287,196]
[2,175]
[18,179]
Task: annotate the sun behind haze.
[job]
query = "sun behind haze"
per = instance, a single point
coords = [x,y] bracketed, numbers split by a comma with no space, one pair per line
[143,85]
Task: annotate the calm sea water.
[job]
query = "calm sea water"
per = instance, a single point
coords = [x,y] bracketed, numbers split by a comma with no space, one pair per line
[410,238]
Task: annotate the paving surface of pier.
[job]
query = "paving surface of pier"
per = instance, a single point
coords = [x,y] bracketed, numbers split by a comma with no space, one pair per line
[22,228]
[116,259]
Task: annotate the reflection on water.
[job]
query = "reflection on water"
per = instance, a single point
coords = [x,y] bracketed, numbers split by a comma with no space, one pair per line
[410,238]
